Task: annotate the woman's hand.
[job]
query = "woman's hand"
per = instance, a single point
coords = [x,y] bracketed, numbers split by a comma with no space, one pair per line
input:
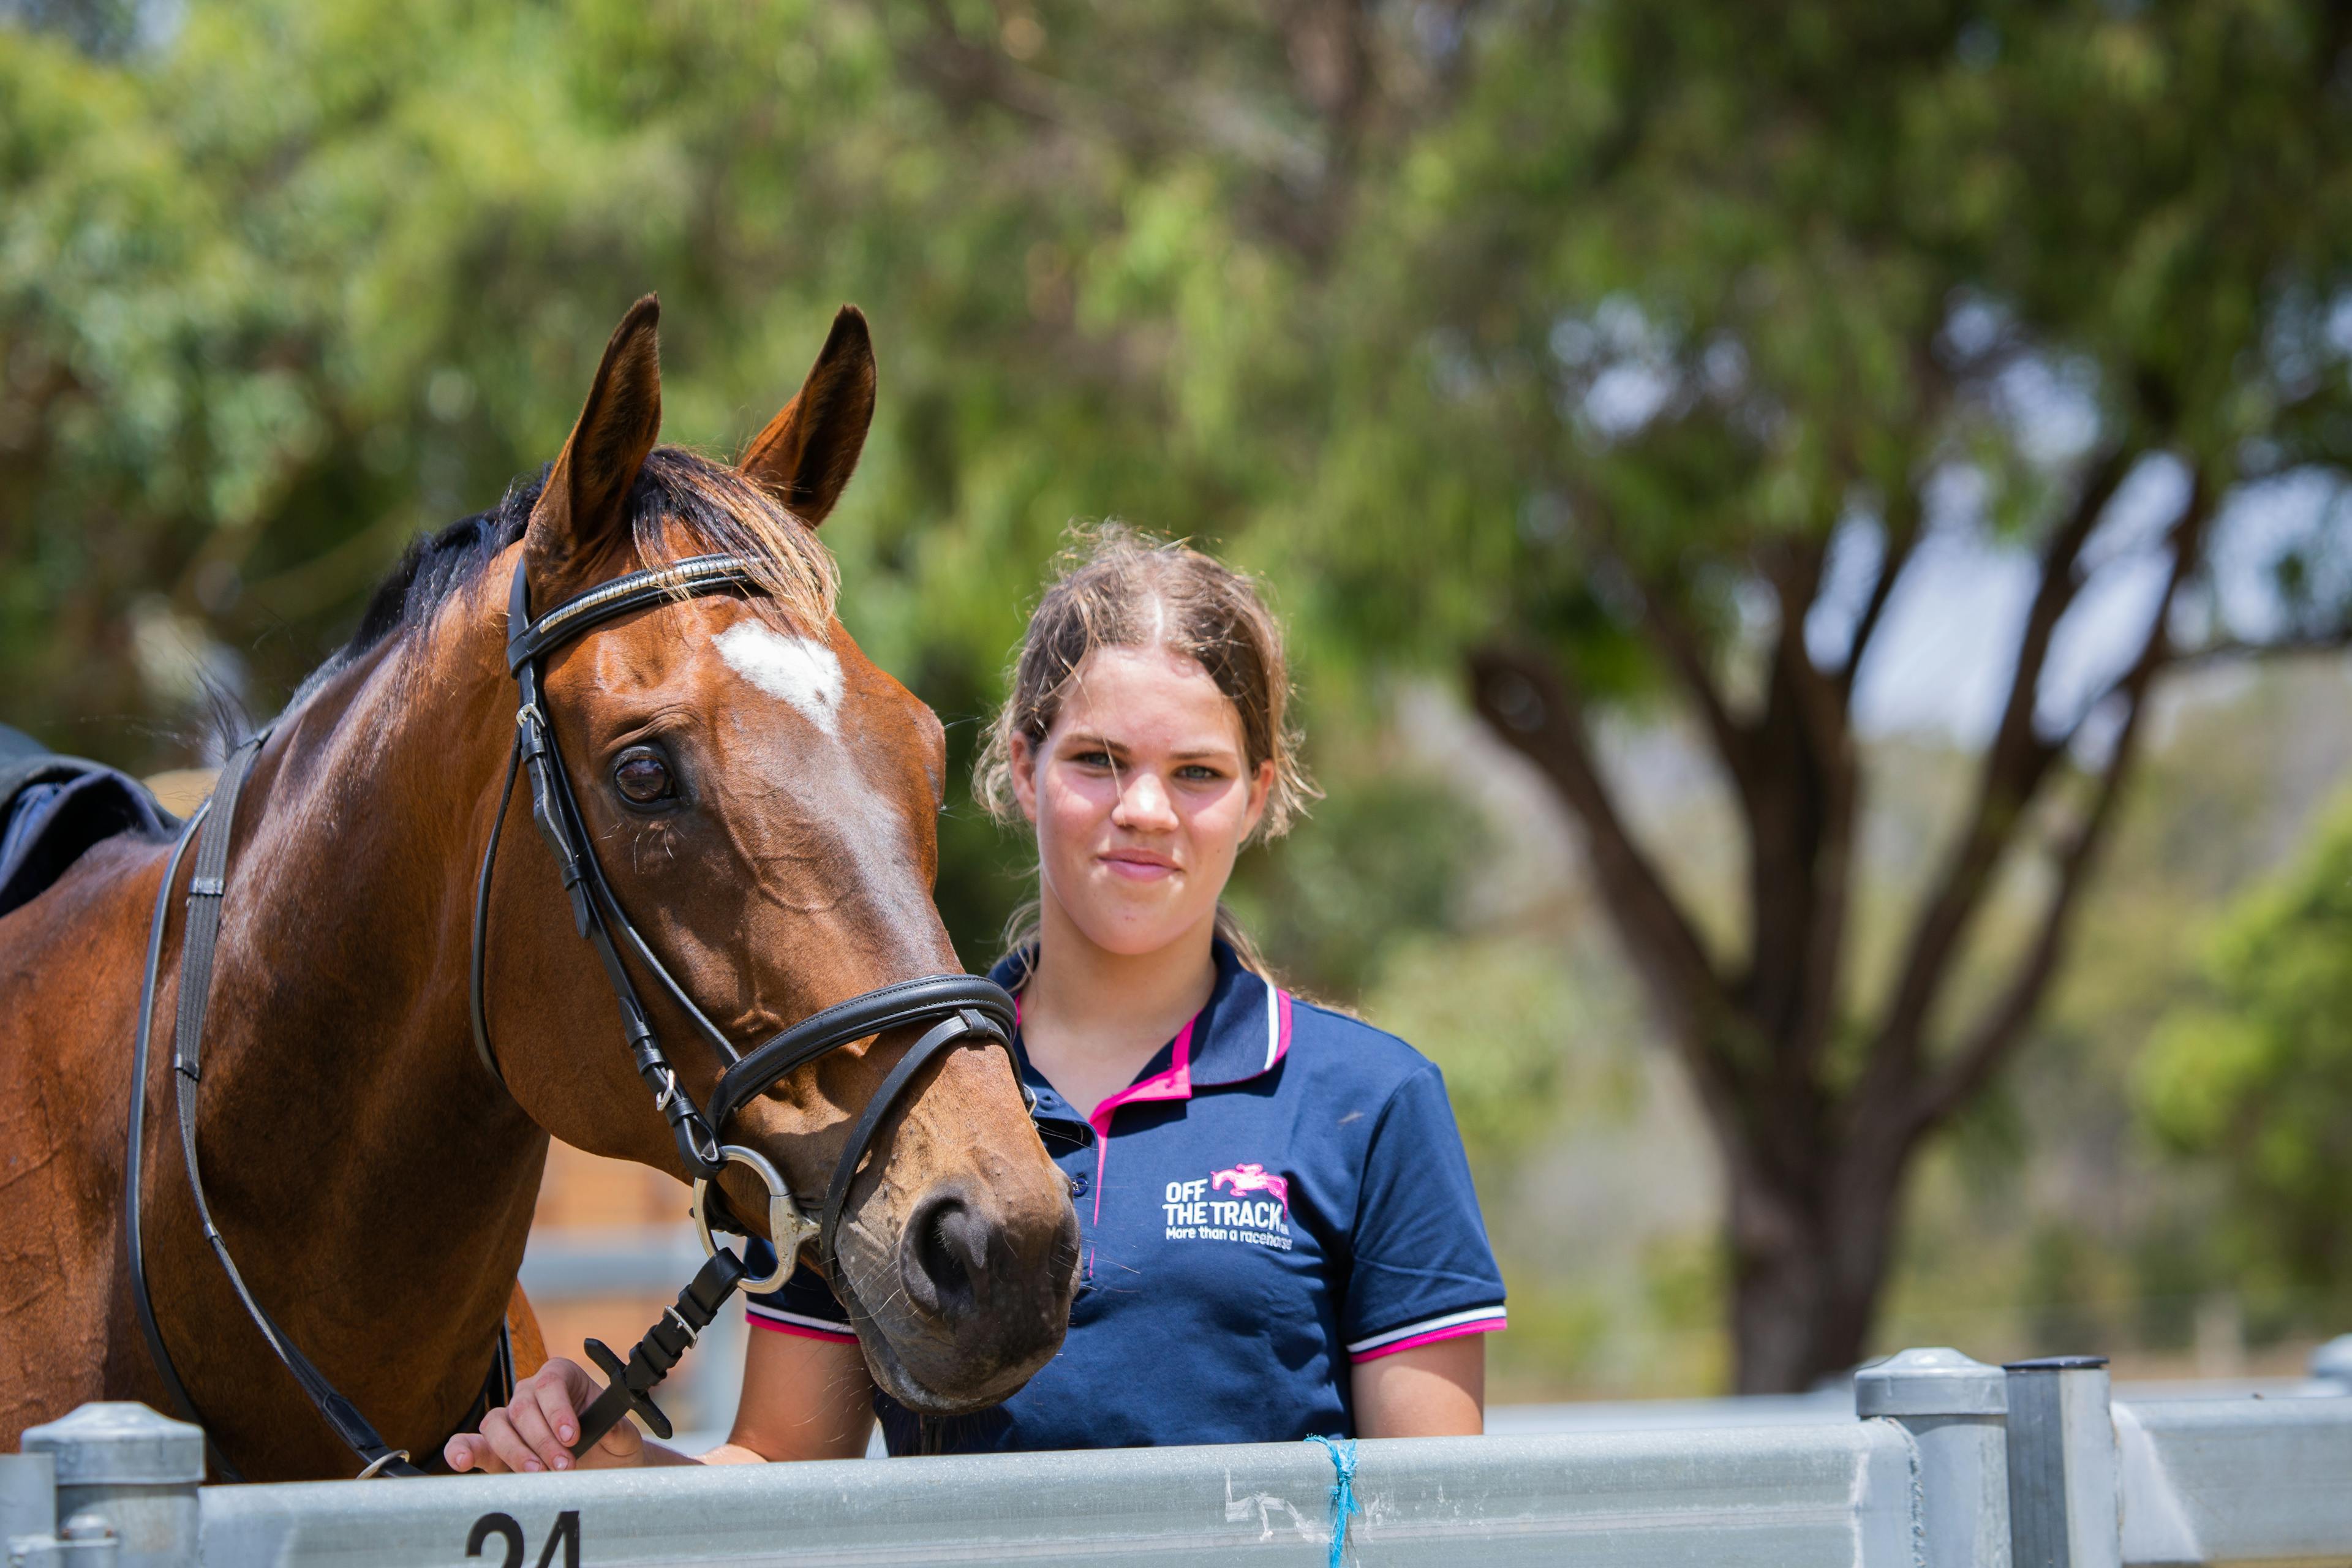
[536,1431]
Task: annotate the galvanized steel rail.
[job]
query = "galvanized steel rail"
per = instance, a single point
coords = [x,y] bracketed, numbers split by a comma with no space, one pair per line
[1948,1463]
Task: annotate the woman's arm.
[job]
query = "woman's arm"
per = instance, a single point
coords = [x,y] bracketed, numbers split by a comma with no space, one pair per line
[1430,1391]
[803,1399]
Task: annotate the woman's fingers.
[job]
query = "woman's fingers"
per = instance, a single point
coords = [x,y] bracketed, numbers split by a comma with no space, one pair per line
[535,1431]
[555,1408]
[470,1451]
[531,1427]
[512,1451]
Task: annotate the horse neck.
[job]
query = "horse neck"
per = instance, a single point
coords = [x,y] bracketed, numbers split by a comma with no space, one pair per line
[354,1123]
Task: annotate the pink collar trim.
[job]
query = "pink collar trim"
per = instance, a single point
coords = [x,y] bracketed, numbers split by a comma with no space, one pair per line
[1176,1083]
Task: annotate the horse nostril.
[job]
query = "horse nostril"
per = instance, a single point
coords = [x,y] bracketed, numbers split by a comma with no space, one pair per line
[944,1257]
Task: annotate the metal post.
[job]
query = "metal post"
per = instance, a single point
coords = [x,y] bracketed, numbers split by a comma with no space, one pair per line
[2063,1506]
[1955,1409]
[126,1478]
[28,1501]
[2331,1366]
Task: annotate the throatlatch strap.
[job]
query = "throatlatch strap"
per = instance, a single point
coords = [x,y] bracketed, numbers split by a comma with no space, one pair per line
[196,996]
[479,957]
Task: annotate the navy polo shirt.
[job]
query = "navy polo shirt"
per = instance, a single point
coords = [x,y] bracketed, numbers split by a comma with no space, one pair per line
[1280,1192]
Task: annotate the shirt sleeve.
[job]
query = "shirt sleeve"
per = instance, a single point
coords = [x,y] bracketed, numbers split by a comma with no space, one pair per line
[1422,1270]
[801,1305]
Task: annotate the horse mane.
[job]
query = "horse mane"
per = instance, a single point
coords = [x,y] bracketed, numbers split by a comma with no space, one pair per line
[680,498]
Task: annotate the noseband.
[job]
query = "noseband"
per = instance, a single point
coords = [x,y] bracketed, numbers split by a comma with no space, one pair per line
[956,1008]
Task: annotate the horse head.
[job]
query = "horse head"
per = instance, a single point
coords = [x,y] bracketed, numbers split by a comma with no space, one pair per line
[761,799]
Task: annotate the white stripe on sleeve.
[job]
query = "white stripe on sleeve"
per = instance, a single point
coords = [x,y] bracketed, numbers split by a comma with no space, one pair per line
[798,1320]
[1427,1326]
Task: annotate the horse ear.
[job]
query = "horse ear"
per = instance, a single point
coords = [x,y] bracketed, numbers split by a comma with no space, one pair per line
[581,512]
[806,454]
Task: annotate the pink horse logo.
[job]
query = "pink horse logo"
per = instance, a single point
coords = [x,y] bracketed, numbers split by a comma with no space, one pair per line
[1251,1178]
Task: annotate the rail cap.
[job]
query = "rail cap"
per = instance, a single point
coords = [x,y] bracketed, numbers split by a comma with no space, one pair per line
[2057,1364]
[118,1443]
[1939,1381]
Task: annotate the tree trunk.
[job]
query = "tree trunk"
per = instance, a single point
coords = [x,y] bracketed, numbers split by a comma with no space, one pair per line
[1806,1273]
[1816,1140]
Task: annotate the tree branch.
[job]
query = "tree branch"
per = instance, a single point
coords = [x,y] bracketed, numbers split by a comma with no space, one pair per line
[1996,1034]
[1822,793]
[2014,767]
[1675,637]
[1901,529]
[1524,701]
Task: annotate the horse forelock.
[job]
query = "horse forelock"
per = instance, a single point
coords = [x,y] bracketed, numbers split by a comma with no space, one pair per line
[682,504]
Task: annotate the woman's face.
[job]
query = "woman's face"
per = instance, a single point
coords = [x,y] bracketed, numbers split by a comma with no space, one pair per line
[1141,798]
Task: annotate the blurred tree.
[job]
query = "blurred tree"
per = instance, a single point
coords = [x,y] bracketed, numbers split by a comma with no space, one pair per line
[1659,364]
[1612,350]
[2259,1076]
[290,283]
[1379,861]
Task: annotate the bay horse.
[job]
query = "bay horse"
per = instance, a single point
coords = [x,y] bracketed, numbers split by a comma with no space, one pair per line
[763,799]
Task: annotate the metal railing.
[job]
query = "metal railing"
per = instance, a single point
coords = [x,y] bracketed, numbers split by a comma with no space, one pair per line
[1949,1464]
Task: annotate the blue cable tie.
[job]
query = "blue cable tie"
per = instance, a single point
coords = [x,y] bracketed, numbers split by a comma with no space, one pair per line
[1343,1489]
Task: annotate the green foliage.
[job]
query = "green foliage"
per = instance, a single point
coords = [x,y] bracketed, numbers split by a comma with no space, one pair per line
[1379,861]
[1494,1016]
[2259,1074]
[1675,281]
[1506,322]
[302,281]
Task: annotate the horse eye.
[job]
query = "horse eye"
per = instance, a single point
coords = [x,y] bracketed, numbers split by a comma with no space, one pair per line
[643,776]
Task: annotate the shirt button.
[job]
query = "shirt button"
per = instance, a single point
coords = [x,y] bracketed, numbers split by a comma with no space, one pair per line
[1080,1183]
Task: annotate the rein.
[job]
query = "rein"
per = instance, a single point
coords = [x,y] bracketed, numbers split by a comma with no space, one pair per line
[957,1009]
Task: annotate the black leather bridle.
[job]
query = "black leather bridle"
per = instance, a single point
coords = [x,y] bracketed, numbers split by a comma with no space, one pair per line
[957,1008]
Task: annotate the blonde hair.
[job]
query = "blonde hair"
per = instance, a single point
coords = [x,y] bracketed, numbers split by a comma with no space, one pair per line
[1116,587]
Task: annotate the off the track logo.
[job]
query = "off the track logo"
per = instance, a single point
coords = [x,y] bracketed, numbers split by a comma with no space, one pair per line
[1195,1213]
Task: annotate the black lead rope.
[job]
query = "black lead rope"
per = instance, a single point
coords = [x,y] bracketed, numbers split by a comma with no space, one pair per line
[634,1381]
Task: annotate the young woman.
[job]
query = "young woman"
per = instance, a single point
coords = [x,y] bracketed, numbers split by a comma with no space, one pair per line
[1278,1234]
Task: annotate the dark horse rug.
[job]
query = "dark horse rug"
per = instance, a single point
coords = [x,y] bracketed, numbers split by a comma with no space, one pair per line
[52,808]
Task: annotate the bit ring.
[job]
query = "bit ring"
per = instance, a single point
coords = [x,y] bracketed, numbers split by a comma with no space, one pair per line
[788,1227]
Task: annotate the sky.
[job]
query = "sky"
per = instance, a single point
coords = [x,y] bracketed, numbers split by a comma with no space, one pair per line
[1943,657]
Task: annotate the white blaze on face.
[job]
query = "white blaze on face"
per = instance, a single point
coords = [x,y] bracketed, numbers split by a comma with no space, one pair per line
[804,673]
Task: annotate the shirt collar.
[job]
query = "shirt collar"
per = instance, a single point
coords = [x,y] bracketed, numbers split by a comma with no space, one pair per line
[1242,1034]
[1243,1031]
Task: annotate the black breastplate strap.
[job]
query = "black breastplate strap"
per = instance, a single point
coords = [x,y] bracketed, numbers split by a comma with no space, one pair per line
[212,829]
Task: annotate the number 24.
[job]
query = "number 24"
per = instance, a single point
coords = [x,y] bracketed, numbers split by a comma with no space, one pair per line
[566,1535]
